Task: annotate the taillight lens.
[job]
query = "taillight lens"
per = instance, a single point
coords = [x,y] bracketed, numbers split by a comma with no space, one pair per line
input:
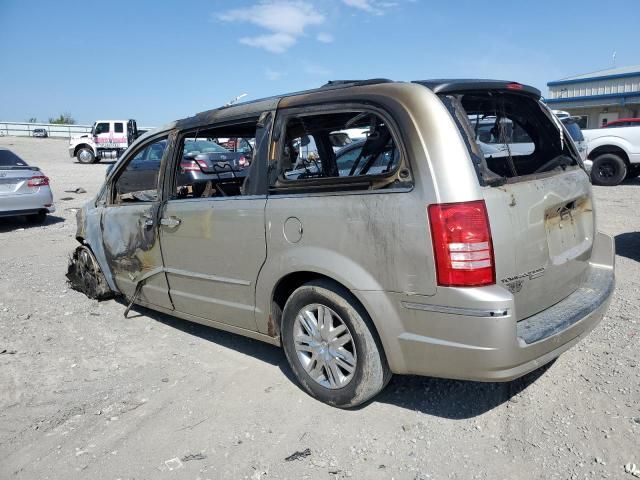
[462,244]
[38,181]
[243,162]
[189,166]
[203,164]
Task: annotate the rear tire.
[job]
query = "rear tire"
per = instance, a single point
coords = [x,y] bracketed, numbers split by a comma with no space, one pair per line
[85,155]
[342,363]
[608,170]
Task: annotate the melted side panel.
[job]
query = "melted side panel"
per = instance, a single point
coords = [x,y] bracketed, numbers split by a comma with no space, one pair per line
[89,231]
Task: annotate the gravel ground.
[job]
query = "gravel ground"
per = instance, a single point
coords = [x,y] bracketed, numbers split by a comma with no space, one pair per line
[86,393]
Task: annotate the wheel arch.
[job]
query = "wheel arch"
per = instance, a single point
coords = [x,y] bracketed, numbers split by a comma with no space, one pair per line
[614,149]
[84,145]
[283,289]
[98,252]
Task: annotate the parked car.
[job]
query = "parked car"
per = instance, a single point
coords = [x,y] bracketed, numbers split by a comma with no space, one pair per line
[444,262]
[613,154]
[346,158]
[623,122]
[571,124]
[206,162]
[24,190]
[40,132]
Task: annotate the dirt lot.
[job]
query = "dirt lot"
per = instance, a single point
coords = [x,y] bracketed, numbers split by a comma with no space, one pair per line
[86,393]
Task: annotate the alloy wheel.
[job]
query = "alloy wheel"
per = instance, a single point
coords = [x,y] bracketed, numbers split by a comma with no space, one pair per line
[324,346]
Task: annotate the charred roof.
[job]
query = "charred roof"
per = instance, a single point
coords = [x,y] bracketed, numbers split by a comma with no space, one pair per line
[256,107]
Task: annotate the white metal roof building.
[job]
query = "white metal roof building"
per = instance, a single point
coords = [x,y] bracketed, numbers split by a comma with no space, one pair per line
[598,97]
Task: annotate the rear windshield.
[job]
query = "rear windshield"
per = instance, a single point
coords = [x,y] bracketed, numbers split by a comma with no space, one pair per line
[10,159]
[509,135]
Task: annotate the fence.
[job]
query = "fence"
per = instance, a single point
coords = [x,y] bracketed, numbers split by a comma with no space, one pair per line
[24,129]
[20,129]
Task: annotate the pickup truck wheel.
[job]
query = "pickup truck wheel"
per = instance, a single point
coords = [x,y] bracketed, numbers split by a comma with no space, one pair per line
[85,155]
[633,171]
[331,347]
[608,170]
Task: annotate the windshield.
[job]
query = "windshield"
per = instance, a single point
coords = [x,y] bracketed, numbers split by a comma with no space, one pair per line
[574,130]
[202,146]
[10,159]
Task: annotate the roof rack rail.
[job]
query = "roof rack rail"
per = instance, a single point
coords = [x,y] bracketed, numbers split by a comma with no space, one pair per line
[340,83]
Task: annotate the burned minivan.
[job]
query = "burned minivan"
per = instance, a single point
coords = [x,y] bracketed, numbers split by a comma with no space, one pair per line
[442,228]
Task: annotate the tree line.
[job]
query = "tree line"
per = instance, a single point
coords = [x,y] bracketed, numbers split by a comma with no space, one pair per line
[62,119]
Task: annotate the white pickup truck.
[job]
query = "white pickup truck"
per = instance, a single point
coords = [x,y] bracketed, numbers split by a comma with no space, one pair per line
[613,154]
[107,139]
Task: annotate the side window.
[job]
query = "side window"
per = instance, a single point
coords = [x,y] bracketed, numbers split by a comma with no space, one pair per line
[102,127]
[496,136]
[336,147]
[118,127]
[138,182]
[215,161]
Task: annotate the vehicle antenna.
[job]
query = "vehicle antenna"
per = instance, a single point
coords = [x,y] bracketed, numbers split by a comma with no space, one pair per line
[234,100]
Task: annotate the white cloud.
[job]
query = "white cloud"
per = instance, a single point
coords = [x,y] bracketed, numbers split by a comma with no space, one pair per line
[273,74]
[360,4]
[286,20]
[324,37]
[374,7]
[275,42]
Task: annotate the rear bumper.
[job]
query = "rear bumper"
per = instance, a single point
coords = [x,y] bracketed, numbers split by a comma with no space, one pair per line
[483,341]
[27,204]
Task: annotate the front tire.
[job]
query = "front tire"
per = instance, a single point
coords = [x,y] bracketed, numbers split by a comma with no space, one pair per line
[331,345]
[85,276]
[85,155]
[608,170]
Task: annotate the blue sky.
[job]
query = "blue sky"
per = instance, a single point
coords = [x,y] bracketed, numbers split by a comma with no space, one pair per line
[158,61]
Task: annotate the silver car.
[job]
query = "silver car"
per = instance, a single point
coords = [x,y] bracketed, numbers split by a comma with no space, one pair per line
[24,190]
[425,256]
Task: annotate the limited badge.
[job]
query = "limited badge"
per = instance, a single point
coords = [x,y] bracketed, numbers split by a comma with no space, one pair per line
[514,284]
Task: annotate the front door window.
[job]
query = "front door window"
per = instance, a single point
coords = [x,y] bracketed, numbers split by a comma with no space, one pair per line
[138,182]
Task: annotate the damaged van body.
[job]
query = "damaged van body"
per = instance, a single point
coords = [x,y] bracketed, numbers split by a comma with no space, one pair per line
[421,253]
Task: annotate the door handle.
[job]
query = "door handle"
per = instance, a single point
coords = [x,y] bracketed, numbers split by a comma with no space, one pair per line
[170,222]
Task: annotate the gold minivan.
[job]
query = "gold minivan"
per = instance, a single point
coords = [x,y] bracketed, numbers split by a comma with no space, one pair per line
[442,228]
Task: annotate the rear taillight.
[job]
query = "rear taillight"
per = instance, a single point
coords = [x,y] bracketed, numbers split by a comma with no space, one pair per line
[189,166]
[515,86]
[243,162]
[38,181]
[203,164]
[462,244]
